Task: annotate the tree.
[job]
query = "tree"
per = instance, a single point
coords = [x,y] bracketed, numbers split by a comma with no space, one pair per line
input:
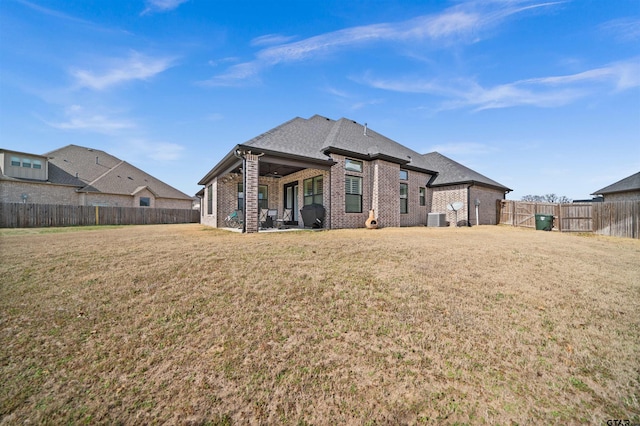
[549,198]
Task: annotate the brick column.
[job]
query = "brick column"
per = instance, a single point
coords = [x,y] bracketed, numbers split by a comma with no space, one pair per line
[251,214]
[375,189]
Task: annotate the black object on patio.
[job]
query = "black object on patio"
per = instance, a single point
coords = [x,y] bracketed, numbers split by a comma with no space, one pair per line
[313,215]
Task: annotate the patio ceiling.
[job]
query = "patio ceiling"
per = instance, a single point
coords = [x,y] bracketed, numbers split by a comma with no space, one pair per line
[272,166]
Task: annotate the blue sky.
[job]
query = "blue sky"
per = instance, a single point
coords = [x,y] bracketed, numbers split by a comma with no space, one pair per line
[542,96]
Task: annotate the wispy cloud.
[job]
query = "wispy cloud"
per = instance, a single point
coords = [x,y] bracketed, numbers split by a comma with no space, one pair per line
[153,6]
[463,22]
[271,39]
[626,29]
[550,91]
[353,102]
[61,16]
[78,118]
[134,67]
[53,13]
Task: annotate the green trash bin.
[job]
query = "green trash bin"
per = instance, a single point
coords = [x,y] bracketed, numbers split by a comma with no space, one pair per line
[544,222]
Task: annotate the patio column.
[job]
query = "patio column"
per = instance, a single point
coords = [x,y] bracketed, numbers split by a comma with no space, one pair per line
[251,216]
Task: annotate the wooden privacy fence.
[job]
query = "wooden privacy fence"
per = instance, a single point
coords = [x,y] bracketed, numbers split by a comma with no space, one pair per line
[616,218]
[16,215]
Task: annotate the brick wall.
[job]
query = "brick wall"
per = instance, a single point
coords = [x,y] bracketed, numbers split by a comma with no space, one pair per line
[417,214]
[442,196]
[339,217]
[92,198]
[487,211]
[623,196]
[386,193]
[48,193]
[38,193]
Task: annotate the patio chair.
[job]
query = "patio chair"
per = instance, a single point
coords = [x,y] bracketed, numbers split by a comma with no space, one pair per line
[234,220]
[287,215]
[265,220]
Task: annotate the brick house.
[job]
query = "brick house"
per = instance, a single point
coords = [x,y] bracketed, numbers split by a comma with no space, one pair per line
[344,166]
[627,189]
[75,175]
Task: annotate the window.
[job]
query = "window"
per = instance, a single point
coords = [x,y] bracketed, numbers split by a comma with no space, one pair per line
[145,202]
[240,197]
[313,190]
[353,165]
[210,199]
[404,175]
[15,161]
[423,197]
[37,164]
[263,196]
[353,194]
[404,198]
[26,163]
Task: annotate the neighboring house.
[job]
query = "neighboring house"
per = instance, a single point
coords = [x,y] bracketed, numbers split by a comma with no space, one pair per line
[76,175]
[347,168]
[627,189]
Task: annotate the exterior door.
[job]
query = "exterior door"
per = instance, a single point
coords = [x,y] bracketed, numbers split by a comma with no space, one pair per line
[291,201]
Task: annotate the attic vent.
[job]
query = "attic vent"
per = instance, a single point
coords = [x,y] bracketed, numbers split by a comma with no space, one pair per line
[129,177]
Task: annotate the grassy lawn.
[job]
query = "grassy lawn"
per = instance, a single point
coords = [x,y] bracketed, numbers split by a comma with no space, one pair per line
[184,324]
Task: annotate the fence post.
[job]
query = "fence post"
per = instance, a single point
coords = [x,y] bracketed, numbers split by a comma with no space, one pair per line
[97,216]
[559,217]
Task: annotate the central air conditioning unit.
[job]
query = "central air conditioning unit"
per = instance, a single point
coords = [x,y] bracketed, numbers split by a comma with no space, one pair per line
[437,219]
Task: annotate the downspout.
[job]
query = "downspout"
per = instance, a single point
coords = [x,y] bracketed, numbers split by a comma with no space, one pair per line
[469,204]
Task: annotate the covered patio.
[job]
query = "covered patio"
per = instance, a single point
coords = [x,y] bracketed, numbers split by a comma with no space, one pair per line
[266,190]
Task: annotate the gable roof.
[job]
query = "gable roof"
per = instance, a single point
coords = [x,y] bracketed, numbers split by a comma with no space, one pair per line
[93,170]
[313,139]
[298,137]
[630,183]
[350,138]
[451,172]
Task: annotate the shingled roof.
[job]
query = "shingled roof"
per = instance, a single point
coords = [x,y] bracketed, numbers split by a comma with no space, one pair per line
[316,137]
[631,183]
[453,173]
[93,170]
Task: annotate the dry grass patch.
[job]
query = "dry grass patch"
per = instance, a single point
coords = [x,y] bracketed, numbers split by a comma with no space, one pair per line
[183,324]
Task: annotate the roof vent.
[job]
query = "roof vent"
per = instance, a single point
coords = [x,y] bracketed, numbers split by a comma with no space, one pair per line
[365,129]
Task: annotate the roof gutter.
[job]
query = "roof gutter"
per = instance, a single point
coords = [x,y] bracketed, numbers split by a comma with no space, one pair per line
[376,156]
[469,182]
